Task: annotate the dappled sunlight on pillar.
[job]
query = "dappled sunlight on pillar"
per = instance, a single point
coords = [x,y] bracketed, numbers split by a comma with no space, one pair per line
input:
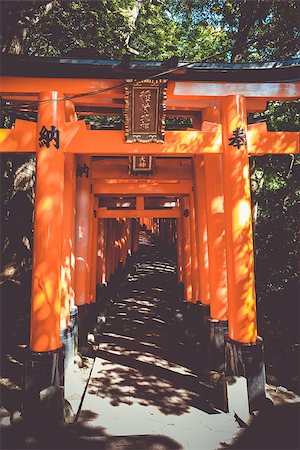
[239,244]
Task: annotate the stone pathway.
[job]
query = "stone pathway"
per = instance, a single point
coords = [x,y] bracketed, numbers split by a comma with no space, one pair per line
[145,392]
[144,380]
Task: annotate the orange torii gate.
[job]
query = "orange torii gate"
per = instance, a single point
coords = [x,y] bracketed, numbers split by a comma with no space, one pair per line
[214,226]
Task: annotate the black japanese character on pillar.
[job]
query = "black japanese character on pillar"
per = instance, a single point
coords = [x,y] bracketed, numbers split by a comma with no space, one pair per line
[186,213]
[239,138]
[80,170]
[46,136]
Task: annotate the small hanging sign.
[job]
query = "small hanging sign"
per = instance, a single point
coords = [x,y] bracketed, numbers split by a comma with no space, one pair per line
[140,164]
[145,111]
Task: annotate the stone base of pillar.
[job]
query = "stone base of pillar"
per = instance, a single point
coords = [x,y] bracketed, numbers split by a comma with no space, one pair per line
[69,338]
[43,400]
[245,362]
[74,325]
[83,325]
[218,332]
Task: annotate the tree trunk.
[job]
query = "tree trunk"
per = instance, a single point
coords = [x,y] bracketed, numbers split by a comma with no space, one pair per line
[16,38]
[133,15]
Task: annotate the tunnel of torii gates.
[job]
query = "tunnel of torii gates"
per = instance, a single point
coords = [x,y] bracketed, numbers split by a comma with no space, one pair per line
[88,207]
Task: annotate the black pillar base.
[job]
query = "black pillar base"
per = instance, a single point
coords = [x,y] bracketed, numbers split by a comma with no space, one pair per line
[218,332]
[74,325]
[69,338]
[247,361]
[83,325]
[43,400]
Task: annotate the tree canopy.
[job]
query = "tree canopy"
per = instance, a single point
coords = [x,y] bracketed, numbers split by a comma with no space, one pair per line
[241,30]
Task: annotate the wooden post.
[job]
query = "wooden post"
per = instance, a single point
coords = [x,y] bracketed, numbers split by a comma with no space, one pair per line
[48,231]
[135,235]
[239,244]
[187,255]
[216,236]
[82,228]
[94,252]
[129,225]
[101,276]
[90,245]
[194,266]
[244,353]
[46,357]
[201,227]
[108,245]
[68,249]
[179,249]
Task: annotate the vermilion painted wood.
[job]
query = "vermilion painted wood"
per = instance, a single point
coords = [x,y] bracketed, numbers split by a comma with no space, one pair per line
[82,233]
[194,260]
[94,253]
[201,228]
[78,139]
[67,86]
[187,254]
[137,213]
[145,187]
[48,235]
[68,249]
[90,246]
[189,90]
[108,244]
[100,253]
[214,195]
[179,249]
[238,222]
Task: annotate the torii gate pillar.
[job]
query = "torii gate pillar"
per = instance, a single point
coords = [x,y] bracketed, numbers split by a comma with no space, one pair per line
[44,367]
[244,362]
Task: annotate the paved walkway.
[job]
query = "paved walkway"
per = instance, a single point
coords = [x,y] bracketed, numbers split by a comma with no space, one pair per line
[145,391]
[144,381]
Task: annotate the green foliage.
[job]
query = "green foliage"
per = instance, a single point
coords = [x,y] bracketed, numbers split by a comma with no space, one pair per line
[191,29]
[276,197]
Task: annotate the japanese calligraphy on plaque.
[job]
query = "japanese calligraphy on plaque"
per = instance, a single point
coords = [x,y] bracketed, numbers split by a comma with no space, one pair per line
[140,164]
[145,111]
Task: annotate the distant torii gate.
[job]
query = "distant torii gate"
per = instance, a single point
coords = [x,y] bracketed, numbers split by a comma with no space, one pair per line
[215,210]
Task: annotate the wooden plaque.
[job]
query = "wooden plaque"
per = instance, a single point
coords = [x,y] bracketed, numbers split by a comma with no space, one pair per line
[141,164]
[145,111]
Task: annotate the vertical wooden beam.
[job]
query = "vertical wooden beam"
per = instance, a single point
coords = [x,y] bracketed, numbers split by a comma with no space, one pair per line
[216,236]
[68,249]
[194,266]
[90,245]
[135,235]
[201,228]
[239,244]
[187,254]
[108,244]
[83,194]
[179,249]
[94,252]
[101,276]
[140,202]
[48,234]
[129,225]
